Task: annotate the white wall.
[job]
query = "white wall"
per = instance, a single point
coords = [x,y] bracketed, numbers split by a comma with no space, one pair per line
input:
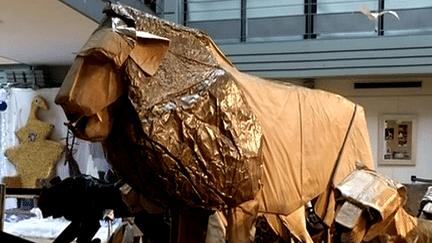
[397,101]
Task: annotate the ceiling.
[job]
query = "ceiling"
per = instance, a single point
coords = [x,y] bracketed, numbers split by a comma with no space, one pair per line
[41,32]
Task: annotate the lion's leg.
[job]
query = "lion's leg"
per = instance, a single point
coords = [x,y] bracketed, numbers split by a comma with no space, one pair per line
[189,228]
[241,220]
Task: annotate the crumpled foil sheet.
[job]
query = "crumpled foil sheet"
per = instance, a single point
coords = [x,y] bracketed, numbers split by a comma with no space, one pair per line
[370,189]
[190,138]
[426,202]
[379,195]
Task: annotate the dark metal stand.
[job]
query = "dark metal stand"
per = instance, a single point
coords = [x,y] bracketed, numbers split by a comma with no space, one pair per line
[415,178]
[83,231]
[5,237]
[18,193]
[2,205]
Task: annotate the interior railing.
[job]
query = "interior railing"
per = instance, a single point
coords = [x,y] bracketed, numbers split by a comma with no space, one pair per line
[232,21]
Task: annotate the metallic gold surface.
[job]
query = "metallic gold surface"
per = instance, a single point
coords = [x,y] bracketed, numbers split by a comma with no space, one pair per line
[197,143]
[197,123]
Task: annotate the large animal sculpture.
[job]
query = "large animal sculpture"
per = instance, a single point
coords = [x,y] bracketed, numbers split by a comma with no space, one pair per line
[183,127]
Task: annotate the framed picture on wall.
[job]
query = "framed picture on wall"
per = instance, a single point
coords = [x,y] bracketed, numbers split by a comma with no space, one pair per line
[397,139]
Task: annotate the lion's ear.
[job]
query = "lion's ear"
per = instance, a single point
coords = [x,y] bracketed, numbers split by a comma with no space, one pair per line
[149,51]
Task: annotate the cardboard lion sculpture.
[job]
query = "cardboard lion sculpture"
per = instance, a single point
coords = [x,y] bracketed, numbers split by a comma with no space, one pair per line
[189,132]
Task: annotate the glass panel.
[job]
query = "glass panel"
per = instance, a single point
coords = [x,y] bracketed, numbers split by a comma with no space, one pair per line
[412,21]
[221,31]
[280,28]
[205,10]
[274,8]
[403,4]
[275,20]
[398,142]
[344,6]
[342,19]
[344,25]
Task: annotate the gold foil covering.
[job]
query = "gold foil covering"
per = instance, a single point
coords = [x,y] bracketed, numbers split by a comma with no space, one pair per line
[183,133]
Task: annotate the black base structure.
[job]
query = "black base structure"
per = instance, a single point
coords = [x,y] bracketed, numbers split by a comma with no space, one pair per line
[5,237]
[82,231]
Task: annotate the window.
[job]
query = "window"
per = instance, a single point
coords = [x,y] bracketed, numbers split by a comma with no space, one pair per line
[231,21]
[220,18]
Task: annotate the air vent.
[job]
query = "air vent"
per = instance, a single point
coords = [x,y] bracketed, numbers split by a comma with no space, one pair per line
[388,85]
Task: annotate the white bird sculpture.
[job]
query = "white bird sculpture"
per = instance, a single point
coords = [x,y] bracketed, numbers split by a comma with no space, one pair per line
[374,15]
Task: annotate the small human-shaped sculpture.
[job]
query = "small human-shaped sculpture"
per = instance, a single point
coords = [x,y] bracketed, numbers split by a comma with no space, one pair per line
[36,157]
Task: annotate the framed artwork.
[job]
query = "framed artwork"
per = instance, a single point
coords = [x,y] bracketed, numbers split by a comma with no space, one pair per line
[397,139]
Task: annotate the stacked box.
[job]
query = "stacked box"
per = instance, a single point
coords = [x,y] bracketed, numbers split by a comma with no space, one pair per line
[19,77]
[3,79]
[35,77]
[24,78]
[10,76]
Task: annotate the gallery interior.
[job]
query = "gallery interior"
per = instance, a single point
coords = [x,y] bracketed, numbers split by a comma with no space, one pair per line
[374,53]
